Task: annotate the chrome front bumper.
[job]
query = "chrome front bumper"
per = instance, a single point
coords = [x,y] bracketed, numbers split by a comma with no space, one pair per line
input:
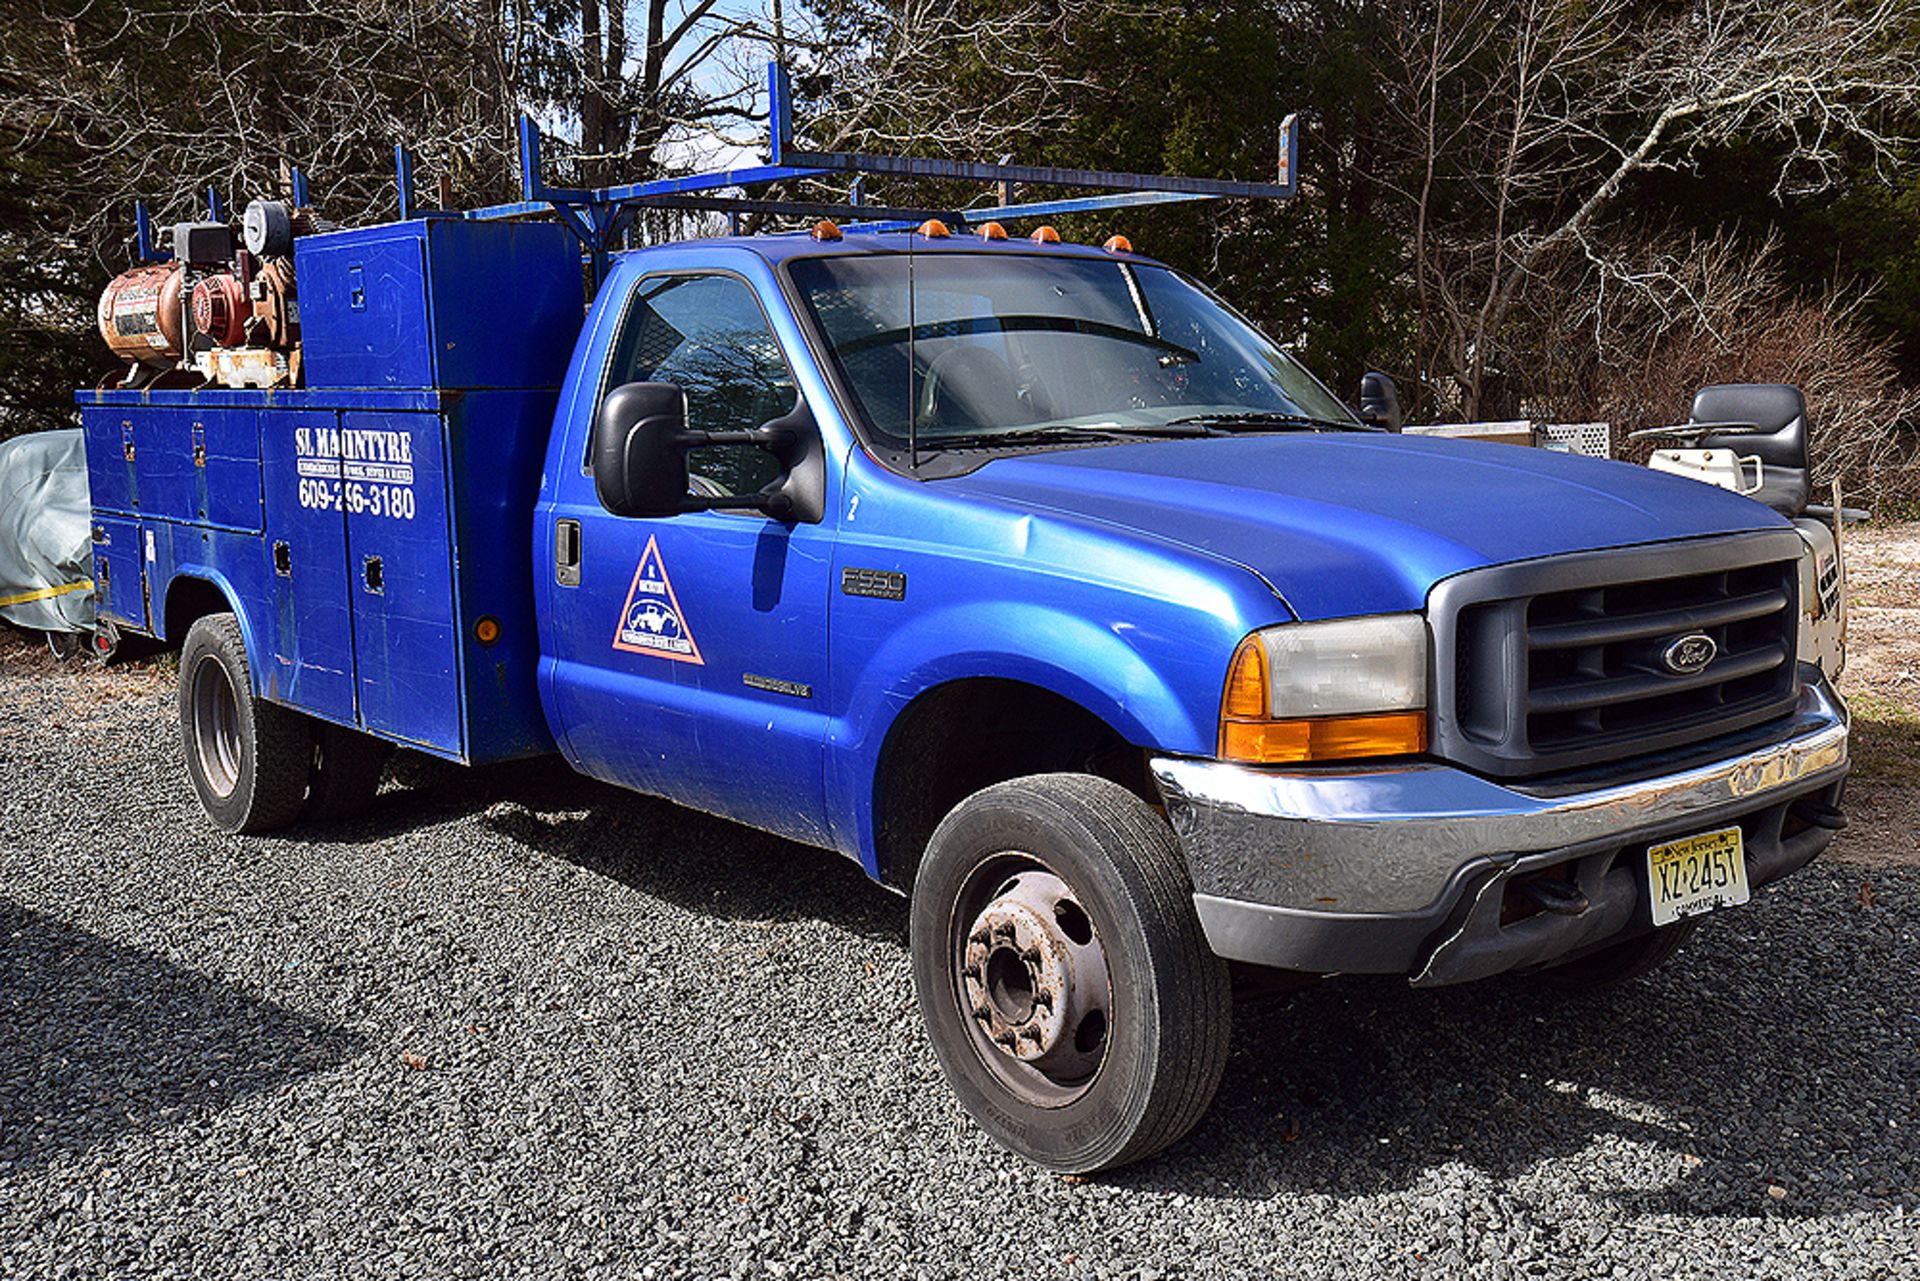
[1376,870]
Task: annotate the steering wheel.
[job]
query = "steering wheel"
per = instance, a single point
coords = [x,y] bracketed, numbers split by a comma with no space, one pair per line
[987,378]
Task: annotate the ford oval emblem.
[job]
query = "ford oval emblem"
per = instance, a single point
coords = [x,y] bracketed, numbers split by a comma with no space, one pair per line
[1689,654]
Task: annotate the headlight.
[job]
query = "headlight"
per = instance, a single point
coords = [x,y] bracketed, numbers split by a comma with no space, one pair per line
[1328,691]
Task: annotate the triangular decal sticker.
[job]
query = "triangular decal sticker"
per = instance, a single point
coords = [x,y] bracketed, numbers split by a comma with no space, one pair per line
[651,622]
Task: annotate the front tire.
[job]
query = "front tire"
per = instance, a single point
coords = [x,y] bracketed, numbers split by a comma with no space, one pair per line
[248,758]
[1064,979]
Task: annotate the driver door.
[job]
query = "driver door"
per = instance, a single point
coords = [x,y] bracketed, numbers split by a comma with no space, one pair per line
[694,659]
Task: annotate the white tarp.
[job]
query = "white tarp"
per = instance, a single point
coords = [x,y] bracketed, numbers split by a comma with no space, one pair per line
[46,557]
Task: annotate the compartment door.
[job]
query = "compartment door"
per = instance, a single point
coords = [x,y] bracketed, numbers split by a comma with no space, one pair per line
[119,578]
[371,287]
[311,632]
[167,481]
[225,447]
[400,566]
[110,450]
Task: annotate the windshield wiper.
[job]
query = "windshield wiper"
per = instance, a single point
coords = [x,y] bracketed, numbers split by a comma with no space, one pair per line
[1260,420]
[1171,354]
[1059,432]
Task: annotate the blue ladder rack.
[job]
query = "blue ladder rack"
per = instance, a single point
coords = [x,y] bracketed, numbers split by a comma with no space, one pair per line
[598,216]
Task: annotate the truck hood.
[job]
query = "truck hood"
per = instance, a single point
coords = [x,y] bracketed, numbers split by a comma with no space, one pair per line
[1364,524]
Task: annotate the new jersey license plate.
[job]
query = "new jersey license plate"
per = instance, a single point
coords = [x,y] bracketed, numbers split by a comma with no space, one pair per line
[1697,874]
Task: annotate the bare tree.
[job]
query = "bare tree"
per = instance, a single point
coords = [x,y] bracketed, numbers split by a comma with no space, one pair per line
[1661,316]
[1530,118]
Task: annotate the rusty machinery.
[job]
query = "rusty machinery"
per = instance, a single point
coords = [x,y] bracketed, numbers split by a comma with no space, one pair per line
[217,313]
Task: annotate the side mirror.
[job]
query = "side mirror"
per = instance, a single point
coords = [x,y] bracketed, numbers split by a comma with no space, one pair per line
[640,447]
[640,444]
[1380,401]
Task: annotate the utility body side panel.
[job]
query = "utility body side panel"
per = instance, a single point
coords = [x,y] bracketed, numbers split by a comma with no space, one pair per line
[391,525]
[496,446]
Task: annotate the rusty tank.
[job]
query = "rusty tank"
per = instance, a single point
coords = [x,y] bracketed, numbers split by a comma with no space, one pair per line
[140,314]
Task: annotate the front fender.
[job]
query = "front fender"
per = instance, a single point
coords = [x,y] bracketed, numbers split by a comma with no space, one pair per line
[1097,667]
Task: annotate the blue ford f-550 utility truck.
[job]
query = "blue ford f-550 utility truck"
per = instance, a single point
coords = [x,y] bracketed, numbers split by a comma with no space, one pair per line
[1026,573]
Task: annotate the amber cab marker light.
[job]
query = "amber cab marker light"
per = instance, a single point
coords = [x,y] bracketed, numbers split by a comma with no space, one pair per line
[992,231]
[934,229]
[826,229]
[1118,245]
[487,630]
[1046,236]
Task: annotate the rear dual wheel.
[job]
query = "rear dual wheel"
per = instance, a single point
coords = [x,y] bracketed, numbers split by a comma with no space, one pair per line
[257,766]
[248,758]
[346,773]
[1064,980]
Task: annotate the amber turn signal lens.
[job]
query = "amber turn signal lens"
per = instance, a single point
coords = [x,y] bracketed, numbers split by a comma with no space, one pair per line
[1246,696]
[1046,236]
[487,630]
[1324,738]
[934,229]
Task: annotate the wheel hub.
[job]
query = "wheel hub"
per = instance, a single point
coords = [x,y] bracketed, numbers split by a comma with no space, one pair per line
[216,726]
[1036,977]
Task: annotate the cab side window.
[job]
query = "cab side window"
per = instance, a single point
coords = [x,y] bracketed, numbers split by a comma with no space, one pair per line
[707,336]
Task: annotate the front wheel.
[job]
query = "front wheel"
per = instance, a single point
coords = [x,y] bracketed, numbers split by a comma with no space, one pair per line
[247,757]
[1064,979]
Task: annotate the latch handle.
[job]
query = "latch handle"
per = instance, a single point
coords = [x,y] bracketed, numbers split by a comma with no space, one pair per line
[566,553]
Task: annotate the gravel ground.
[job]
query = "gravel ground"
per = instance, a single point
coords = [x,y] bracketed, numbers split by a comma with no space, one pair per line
[514,1024]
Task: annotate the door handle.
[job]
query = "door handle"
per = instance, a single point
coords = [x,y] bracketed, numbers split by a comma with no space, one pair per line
[566,553]
[374,574]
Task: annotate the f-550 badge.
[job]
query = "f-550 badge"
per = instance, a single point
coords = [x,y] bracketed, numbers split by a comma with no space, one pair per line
[651,622]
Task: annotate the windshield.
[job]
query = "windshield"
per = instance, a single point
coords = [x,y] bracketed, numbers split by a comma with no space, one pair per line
[990,345]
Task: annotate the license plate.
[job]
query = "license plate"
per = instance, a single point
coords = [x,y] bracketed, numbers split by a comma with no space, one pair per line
[1696,875]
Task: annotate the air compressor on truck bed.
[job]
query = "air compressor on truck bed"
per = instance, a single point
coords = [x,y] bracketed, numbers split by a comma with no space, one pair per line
[1026,573]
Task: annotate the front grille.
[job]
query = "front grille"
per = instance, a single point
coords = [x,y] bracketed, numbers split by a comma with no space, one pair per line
[1559,663]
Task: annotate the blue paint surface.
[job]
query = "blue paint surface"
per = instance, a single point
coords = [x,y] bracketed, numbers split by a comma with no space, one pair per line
[1345,524]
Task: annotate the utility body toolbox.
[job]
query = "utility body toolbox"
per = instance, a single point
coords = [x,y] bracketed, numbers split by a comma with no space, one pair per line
[329,515]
